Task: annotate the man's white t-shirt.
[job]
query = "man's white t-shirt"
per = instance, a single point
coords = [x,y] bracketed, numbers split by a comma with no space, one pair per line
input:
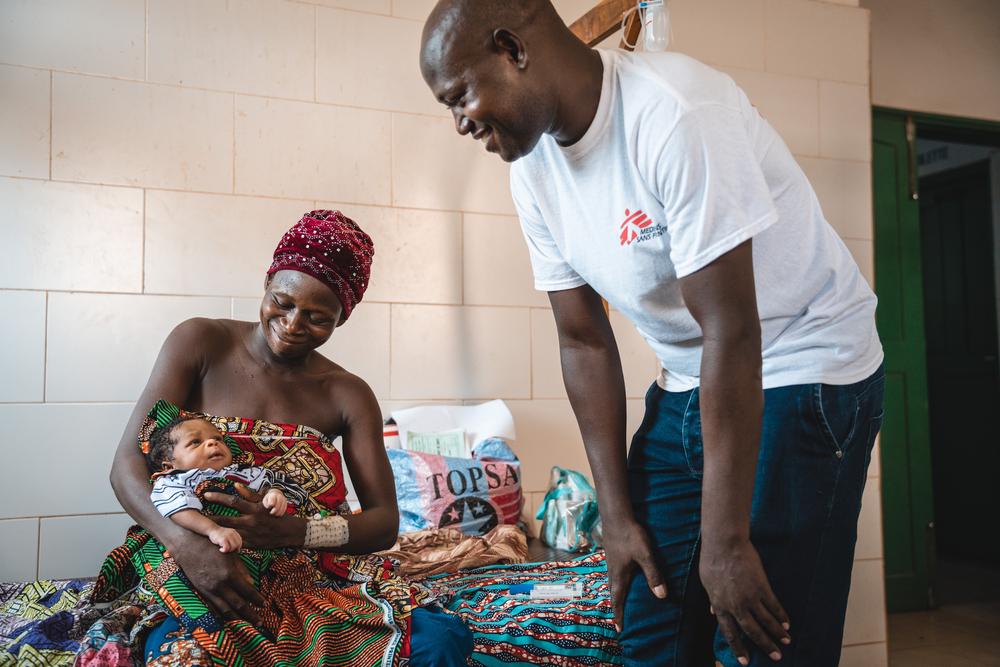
[676,169]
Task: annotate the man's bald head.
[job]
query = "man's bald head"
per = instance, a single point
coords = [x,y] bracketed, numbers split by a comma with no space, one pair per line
[471,24]
[496,65]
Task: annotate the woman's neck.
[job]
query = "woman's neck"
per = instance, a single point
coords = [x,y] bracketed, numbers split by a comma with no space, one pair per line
[264,356]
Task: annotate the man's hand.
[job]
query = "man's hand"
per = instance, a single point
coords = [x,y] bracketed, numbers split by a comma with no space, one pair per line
[742,599]
[227,539]
[626,546]
[222,579]
[275,501]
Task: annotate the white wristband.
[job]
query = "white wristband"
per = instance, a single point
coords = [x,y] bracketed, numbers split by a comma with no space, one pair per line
[325,532]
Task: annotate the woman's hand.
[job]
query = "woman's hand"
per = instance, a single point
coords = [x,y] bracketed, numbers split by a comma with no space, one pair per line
[256,525]
[627,546]
[222,579]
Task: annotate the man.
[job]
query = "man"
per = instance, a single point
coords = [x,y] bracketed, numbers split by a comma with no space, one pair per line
[650,180]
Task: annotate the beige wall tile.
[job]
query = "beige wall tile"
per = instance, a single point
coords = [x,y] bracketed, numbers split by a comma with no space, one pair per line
[19,550]
[789,103]
[124,133]
[817,39]
[24,122]
[70,237]
[361,346]
[460,352]
[101,347]
[937,57]
[97,37]
[865,655]
[371,6]
[547,435]
[434,167]
[417,10]
[250,46]
[720,32]
[865,621]
[22,354]
[639,363]
[844,189]
[497,268]
[75,546]
[864,254]
[845,121]
[203,244]
[82,438]
[870,523]
[388,77]
[296,149]
[418,254]
[546,367]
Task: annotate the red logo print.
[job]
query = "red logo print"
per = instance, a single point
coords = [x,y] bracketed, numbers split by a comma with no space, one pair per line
[633,226]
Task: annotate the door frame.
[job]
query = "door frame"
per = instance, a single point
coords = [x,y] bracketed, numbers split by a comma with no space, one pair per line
[950,128]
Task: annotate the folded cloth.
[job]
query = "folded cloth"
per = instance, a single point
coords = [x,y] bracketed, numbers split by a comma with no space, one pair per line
[440,550]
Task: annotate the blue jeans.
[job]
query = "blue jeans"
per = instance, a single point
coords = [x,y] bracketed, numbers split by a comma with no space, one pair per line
[815,447]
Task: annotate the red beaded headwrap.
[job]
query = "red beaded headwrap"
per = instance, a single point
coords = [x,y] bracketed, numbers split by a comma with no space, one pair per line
[330,247]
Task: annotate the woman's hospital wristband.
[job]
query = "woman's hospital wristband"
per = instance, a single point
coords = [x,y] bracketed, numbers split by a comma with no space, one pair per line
[324,532]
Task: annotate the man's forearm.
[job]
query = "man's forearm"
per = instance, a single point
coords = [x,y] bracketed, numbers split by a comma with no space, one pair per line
[596,389]
[732,402]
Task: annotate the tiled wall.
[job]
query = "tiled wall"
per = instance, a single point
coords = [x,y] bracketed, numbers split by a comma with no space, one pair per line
[909,38]
[153,151]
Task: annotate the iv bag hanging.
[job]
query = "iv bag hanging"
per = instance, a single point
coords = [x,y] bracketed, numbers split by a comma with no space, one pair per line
[655,25]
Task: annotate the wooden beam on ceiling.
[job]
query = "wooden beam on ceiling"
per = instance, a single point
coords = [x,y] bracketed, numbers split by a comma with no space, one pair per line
[603,21]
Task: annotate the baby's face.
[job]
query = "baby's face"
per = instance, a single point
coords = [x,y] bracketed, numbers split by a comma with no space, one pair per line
[198,444]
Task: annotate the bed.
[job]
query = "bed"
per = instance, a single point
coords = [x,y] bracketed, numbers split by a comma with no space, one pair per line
[43,622]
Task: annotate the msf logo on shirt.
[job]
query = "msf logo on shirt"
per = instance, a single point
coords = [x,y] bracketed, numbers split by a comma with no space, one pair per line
[638,227]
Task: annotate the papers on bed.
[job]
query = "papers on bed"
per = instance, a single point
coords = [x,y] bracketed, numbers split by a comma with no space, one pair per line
[453,430]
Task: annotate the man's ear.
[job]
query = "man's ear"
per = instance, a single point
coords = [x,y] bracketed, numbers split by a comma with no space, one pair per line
[512,46]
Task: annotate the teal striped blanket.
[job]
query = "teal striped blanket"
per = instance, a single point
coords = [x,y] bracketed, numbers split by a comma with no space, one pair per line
[516,630]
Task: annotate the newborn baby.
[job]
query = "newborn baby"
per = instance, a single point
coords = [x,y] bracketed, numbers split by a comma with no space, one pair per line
[188,451]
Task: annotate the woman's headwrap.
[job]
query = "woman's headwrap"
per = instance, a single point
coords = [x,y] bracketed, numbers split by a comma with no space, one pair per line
[330,247]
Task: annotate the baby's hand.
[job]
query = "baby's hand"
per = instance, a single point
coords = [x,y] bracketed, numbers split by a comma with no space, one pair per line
[227,539]
[275,501]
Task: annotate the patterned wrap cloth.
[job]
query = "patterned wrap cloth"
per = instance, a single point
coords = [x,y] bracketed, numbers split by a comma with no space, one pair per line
[320,606]
[332,248]
[517,631]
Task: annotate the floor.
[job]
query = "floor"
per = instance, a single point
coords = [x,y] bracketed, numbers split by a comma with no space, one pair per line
[963,632]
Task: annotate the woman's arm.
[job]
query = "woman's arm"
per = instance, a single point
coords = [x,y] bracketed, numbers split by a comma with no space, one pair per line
[377,526]
[221,579]
[173,376]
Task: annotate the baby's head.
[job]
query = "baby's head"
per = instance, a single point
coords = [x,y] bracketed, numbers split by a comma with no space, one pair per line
[186,443]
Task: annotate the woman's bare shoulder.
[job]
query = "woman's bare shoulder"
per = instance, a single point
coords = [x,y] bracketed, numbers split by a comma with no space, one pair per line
[207,335]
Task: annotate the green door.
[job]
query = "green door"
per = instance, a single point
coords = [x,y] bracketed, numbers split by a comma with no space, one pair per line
[907,507]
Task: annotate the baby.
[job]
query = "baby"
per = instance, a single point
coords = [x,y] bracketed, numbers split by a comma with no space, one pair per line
[188,451]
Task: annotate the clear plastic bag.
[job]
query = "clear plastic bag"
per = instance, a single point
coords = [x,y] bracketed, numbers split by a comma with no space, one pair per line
[569,516]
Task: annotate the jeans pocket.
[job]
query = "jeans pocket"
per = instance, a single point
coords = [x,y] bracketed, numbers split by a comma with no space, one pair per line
[837,410]
[691,434]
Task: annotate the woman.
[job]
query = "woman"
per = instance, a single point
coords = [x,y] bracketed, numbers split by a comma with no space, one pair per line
[270,370]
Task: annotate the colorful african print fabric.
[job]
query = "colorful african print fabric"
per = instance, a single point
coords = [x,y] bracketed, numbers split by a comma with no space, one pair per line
[41,622]
[321,607]
[516,630]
